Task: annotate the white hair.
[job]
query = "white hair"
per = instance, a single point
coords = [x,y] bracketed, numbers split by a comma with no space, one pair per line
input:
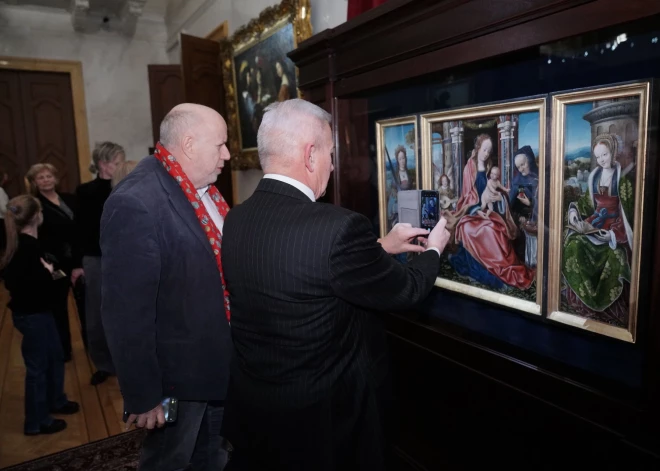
[174,124]
[288,124]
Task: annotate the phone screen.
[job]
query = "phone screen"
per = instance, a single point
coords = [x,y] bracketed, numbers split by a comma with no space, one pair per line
[430,209]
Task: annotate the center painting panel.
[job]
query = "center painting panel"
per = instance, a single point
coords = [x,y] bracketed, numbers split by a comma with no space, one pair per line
[487,164]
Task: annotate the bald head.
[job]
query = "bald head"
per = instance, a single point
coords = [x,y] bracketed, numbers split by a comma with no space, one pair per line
[196,136]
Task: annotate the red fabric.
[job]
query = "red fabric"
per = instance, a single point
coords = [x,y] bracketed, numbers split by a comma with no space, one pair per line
[610,204]
[208,226]
[357,7]
[489,240]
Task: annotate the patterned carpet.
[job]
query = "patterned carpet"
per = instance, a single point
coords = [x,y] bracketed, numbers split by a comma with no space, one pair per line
[119,453]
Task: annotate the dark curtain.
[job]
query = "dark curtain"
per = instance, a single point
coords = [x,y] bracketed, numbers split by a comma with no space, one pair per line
[356,7]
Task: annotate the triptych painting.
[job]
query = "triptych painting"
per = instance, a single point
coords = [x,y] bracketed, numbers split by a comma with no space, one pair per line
[523,208]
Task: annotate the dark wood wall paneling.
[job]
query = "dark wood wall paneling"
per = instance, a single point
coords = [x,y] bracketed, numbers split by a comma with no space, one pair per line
[465,400]
[37,126]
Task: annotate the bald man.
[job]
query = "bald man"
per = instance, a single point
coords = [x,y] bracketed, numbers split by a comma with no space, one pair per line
[164,309]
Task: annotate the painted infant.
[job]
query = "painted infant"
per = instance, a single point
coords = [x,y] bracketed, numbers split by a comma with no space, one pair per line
[490,193]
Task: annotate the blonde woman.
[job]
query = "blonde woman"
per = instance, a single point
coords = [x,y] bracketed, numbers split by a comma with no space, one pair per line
[29,280]
[122,170]
[91,196]
[57,235]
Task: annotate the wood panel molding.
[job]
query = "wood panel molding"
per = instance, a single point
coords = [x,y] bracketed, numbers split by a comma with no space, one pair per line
[219,33]
[74,69]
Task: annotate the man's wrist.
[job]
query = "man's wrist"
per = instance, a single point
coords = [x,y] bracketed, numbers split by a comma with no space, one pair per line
[433,248]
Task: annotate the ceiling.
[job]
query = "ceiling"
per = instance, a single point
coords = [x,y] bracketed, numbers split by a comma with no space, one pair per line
[90,16]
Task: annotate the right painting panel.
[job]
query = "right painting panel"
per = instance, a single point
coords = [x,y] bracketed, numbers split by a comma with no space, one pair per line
[599,161]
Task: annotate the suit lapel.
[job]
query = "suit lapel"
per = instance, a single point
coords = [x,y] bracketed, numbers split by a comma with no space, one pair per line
[183,207]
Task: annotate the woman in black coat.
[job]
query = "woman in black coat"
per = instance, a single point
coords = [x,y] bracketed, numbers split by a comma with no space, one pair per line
[57,235]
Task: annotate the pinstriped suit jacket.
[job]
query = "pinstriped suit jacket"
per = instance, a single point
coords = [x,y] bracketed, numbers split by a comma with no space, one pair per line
[308,387]
[304,280]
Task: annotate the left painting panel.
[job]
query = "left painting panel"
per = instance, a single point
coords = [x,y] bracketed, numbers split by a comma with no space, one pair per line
[397,166]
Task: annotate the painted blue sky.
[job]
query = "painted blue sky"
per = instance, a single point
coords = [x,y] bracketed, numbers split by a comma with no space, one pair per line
[394,136]
[578,131]
[528,130]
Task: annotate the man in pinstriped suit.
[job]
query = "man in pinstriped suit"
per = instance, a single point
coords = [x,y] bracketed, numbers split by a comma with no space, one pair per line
[309,383]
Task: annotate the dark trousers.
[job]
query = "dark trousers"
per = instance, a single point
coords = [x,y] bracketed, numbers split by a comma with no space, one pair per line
[44,368]
[96,341]
[61,313]
[79,296]
[193,442]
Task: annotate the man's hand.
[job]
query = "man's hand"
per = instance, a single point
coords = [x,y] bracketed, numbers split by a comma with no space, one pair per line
[400,237]
[155,417]
[75,274]
[439,236]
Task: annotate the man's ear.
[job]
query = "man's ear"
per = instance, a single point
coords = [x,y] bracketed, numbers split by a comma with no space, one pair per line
[309,158]
[187,145]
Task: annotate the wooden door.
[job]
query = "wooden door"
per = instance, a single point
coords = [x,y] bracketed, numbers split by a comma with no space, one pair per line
[166,91]
[50,129]
[202,83]
[13,156]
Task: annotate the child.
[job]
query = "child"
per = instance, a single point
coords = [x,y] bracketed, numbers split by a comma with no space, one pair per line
[29,279]
[491,191]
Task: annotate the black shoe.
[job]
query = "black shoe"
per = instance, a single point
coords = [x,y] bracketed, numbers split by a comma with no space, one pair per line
[57,425]
[99,377]
[67,409]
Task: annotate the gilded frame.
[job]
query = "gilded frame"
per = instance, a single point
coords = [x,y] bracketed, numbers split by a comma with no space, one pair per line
[559,103]
[270,20]
[484,111]
[380,146]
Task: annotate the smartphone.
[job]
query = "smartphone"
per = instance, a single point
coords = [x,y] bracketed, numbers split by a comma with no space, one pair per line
[430,209]
[170,406]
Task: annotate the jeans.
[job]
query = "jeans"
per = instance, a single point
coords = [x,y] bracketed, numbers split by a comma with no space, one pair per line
[44,368]
[192,442]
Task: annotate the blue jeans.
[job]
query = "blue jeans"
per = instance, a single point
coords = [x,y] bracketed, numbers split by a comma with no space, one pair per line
[44,368]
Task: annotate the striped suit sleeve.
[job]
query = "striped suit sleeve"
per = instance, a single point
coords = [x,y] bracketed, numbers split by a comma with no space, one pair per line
[362,273]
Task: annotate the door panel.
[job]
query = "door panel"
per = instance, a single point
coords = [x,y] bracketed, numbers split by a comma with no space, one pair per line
[49,124]
[166,91]
[13,158]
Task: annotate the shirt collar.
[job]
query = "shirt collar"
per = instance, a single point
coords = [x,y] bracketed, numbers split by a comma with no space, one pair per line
[202,191]
[295,183]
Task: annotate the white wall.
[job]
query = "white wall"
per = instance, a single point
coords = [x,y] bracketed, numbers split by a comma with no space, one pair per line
[200,17]
[114,69]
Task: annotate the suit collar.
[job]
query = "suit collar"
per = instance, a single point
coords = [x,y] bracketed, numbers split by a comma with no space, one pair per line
[270,185]
[181,204]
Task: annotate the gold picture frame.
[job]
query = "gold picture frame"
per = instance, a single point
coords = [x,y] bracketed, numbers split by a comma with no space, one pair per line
[461,131]
[612,113]
[248,45]
[401,138]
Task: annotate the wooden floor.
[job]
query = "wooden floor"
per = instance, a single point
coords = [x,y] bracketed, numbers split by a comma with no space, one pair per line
[101,406]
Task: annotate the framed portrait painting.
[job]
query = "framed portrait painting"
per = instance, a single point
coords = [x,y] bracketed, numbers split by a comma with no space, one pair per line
[397,165]
[488,165]
[258,72]
[600,139]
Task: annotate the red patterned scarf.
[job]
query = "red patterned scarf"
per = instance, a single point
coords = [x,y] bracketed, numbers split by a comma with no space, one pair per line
[208,226]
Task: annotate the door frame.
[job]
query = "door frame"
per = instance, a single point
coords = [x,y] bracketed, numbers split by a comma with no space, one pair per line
[74,69]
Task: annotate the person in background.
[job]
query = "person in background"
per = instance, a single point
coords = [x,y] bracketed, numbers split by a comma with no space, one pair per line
[29,280]
[122,170]
[91,198]
[57,236]
[4,199]
[164,307]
